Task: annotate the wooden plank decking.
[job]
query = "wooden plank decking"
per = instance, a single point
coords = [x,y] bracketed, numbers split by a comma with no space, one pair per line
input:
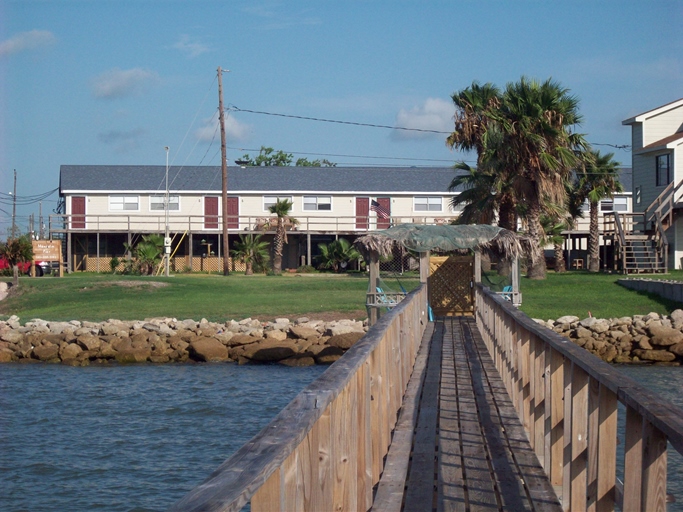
[458,444]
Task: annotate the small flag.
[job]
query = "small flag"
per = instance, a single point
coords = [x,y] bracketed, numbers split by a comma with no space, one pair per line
[381,211]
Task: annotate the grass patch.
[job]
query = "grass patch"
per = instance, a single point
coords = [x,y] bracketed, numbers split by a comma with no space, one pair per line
[577,293]
[97,297]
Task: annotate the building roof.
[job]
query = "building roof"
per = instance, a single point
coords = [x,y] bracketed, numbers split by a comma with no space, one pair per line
[666,143]
[151,178]
[655,111]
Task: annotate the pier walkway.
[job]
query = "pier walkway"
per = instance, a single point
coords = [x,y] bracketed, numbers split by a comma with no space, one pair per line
[458,443]
[491,412]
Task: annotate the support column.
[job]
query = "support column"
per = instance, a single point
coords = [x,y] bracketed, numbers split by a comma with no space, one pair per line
[308,248]
[373,267]
[477,266]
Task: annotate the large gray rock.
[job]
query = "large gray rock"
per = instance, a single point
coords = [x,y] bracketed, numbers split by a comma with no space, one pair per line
[663,356]
[208,349]
[345,341]
[70,351]
[11,336]
[304,333]
[89,342]
[133,355]
[665,336]
[47,352]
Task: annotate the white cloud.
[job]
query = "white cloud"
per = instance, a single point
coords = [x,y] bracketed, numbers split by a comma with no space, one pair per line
[273,20]
[189,47]
[434,114]
[117,83]
[234,130]
[123,141]
[26,41]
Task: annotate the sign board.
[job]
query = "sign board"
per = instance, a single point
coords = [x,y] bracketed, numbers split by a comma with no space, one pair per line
[47,250]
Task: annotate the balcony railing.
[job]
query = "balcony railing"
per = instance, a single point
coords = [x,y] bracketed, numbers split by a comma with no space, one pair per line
[141,223]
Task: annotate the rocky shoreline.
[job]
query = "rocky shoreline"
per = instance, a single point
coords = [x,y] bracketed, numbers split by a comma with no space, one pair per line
[650,338]
[303,342]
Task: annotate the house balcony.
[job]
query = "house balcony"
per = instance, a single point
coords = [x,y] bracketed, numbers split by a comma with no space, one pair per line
[201,224]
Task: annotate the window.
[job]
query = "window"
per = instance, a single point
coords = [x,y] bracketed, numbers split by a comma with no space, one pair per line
[124,203]
[318,203]
[663,170]
[618,204]
[156,203]
[269,201]
[428,204]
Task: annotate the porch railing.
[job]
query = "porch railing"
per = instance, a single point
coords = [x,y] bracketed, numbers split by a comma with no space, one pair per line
[141,223]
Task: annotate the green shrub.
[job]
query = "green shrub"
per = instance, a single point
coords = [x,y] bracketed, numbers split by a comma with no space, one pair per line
[305,269]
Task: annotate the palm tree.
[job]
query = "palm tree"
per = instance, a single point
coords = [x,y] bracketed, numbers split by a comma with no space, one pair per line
[281,208]
[252,252]
[599,181]
[539,147]
[488,187]
[16,250]
[335,254]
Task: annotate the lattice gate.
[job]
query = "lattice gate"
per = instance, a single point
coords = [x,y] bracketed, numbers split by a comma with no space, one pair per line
[451,280]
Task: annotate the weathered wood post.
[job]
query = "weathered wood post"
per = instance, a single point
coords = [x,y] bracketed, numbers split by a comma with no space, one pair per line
[373,267]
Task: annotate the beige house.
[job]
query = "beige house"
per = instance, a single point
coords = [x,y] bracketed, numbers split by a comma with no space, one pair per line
[657,161]
[107,206]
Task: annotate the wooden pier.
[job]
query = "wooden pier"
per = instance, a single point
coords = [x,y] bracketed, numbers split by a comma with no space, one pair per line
[458,443]
[491,412]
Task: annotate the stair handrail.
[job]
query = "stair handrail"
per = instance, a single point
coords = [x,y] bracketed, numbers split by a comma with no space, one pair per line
[622,239]
[664,199]
[661,242]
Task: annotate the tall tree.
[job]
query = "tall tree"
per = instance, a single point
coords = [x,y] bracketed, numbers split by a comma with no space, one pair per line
[281,209]
[267,157]
[598,181]
[489,185]
[536,121]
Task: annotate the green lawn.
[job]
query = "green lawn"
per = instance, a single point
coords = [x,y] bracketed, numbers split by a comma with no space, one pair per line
[96,297]
[577,293]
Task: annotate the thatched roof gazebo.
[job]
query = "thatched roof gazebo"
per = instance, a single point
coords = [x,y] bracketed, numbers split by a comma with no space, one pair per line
[449,238]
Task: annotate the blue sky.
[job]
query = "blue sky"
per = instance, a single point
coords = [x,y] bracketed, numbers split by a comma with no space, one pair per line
[113,81]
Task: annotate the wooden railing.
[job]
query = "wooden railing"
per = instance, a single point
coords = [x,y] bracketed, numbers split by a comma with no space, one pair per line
[325,450]
[623,228]
[567,401]
[147,223]
[663,205]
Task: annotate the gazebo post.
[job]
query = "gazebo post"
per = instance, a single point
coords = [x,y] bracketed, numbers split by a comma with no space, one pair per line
[515,282]
[424,267]
[477,266]
[373,267]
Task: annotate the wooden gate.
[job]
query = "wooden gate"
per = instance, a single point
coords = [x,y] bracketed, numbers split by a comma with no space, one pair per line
[451,285]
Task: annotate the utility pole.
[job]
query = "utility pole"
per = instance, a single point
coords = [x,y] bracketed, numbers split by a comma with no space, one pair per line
[224,173]
[14,206]
[167,238]
[40,221]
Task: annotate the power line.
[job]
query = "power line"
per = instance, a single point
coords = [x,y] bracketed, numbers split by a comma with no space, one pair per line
[372,125]
[337,155]
[353,123]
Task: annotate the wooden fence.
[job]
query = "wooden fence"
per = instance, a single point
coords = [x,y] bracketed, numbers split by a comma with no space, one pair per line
[325,450]
[567,400]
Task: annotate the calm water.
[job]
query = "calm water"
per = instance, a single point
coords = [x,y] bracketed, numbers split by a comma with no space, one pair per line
[137,438]
[123,438]
[667,382]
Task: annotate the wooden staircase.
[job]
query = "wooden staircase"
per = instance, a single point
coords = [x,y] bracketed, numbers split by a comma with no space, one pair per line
[639,240]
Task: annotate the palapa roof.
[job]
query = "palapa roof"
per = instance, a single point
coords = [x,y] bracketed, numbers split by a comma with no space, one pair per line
[443,238]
